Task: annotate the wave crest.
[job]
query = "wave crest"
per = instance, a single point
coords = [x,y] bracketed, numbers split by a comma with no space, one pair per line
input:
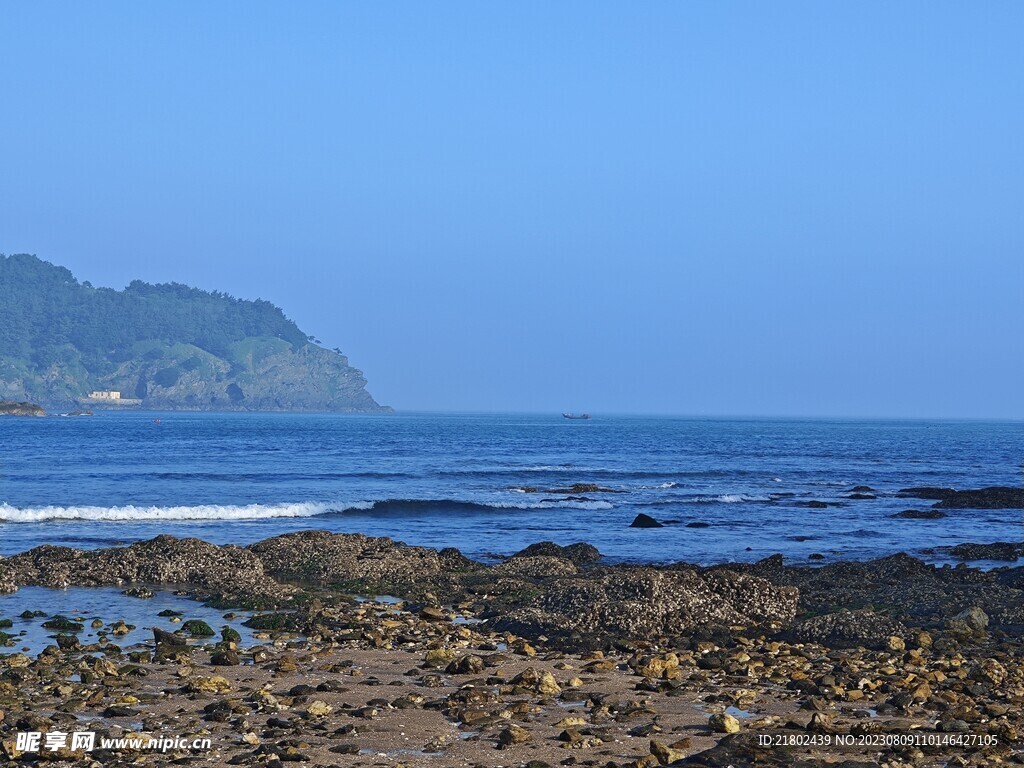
[132,513]
[136,514]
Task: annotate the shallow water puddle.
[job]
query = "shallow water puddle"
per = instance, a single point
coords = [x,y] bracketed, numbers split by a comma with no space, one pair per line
[108,605]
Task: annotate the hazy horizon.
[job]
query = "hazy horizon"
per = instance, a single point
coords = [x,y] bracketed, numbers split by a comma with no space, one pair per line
[695,210]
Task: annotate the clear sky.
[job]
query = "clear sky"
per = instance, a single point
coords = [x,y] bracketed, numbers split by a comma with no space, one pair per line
[666,207]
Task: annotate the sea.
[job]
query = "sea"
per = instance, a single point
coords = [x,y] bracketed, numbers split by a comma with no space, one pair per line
[726,489]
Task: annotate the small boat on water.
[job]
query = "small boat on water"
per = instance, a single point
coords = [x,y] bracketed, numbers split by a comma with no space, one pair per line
[575,415]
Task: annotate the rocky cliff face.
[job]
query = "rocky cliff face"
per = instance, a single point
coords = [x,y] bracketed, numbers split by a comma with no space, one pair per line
[261,375]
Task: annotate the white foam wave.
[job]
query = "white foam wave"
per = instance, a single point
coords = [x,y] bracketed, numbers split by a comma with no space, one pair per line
[725,498]
[556,505]
[131,513]
[141,514]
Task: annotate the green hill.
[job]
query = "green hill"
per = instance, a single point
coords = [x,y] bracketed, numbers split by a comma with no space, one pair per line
[168,346]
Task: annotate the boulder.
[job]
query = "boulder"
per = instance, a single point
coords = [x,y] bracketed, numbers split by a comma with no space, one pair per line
[579,553]
[162,637]
[644,521]
[723,723]
[973,619]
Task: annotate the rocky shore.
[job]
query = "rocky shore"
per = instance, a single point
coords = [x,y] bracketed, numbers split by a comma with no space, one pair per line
[551,657]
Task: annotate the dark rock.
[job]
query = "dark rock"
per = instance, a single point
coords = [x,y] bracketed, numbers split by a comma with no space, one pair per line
[470,664]
[162,637]
[579,553]
[274,622]
[1007,551]
[344,749]
[995,497]
[119,710]
[698,524]
[63,624]
[813,504]
[920,514]
[226,658]
[577,488]
[644,521]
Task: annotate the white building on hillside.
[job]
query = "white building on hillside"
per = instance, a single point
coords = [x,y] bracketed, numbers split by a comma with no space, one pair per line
[104,395]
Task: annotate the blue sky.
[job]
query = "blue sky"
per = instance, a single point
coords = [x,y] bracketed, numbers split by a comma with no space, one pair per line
[697,208]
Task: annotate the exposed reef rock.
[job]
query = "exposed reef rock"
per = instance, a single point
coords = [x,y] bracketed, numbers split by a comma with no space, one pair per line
[222,573]
[552,591]
[912,591]
[851,629]
[1008,551]
[649,602]
[362,563]
[994,497]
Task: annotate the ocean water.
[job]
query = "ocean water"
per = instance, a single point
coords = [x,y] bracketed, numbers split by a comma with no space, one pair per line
[461,480]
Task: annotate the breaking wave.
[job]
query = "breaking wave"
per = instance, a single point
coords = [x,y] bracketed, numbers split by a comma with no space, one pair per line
[725,498]
[132,513]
